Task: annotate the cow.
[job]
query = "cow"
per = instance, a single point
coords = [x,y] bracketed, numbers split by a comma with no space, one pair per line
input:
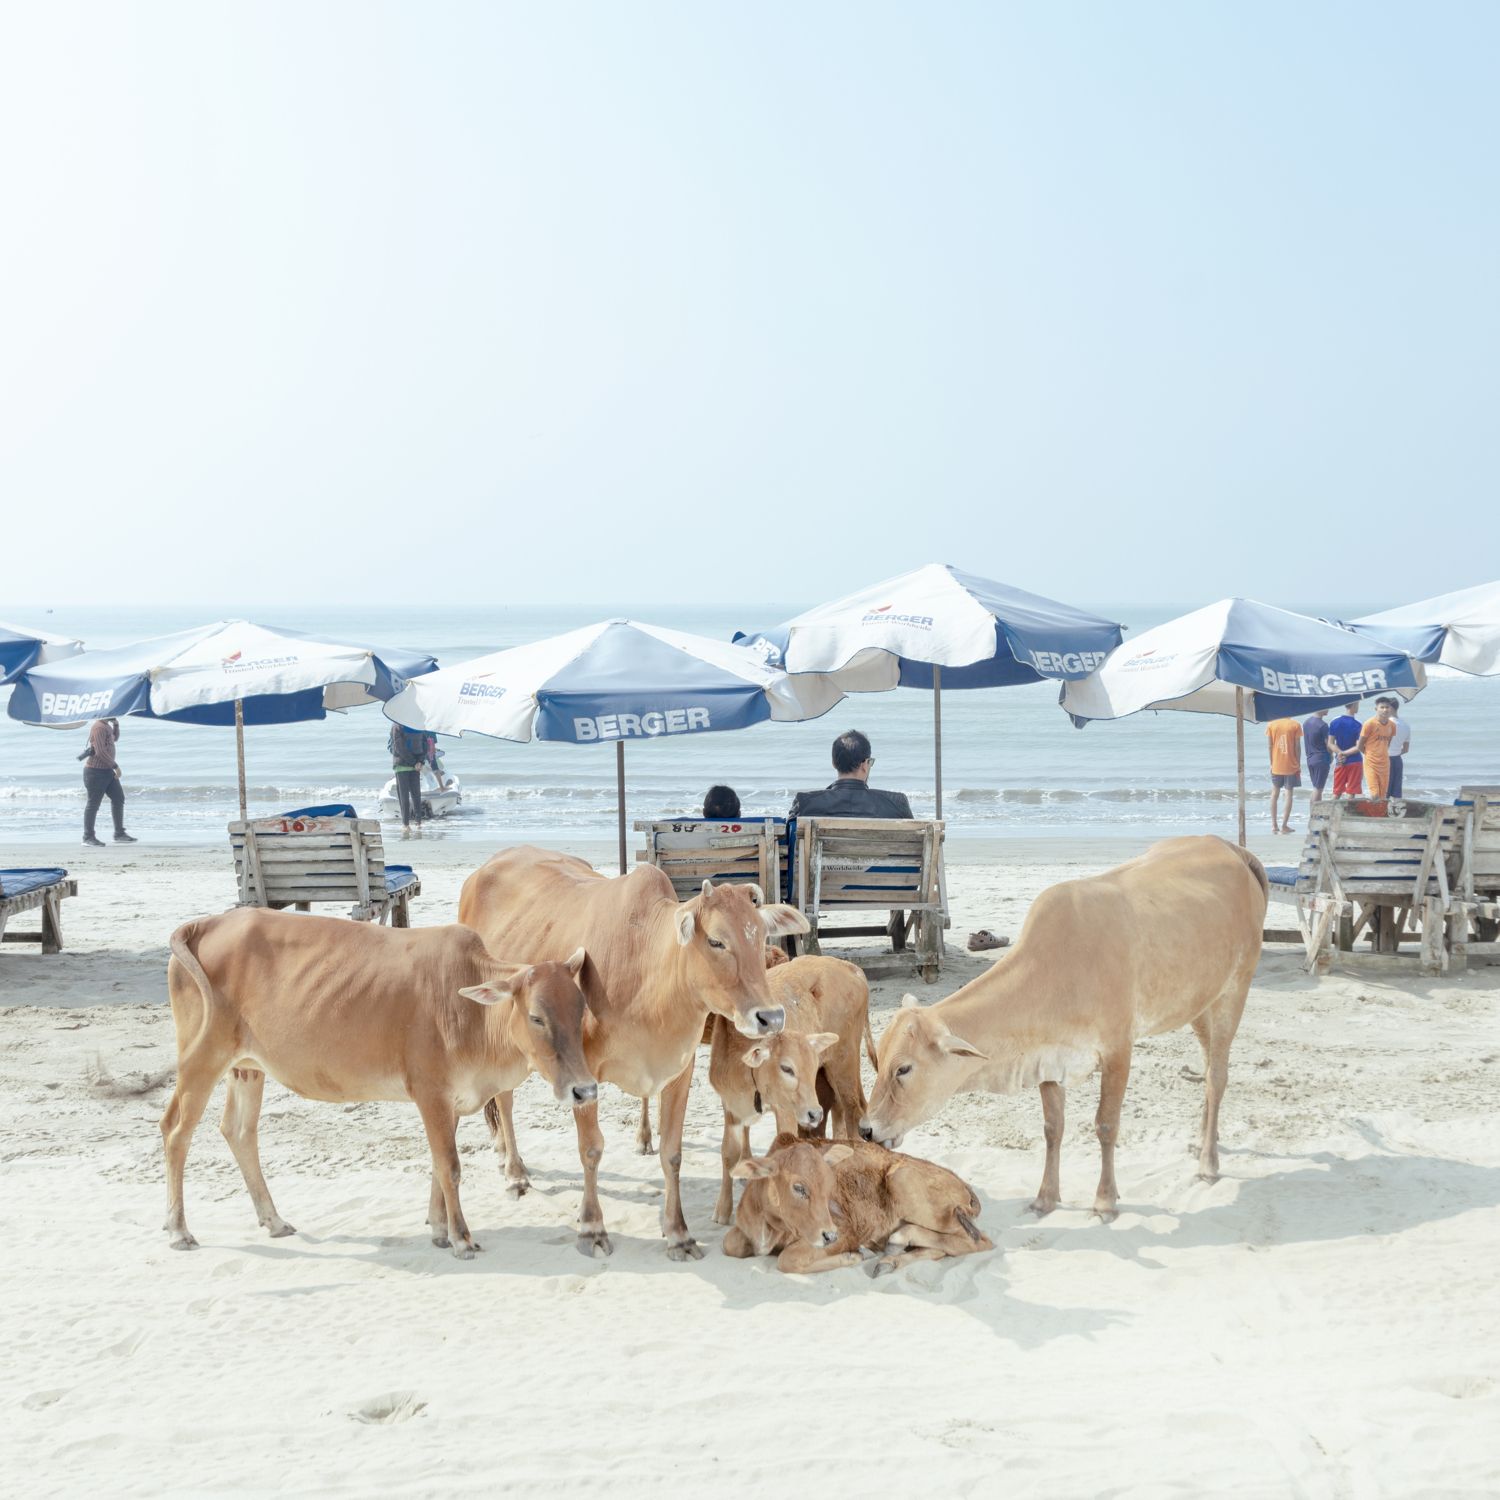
[655,970]
[1168,939]
[344,1011]
[814,1219]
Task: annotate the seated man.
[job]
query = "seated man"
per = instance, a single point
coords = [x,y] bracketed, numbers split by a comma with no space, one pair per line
[721,804]
[851,796]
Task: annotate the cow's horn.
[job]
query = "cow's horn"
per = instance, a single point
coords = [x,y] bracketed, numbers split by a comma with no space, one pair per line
[708,888]
[757,895]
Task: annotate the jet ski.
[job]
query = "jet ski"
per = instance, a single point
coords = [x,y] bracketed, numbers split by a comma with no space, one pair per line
[439,799]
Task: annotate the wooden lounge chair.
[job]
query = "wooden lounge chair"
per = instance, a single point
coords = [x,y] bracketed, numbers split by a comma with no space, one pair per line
[321,854]
[1475,928]
[843,865]
[1380,864]
[734,850]
[28,890]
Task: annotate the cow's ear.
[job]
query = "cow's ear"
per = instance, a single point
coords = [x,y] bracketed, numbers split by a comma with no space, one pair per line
[686,922]
[488,994]
[760,1053]
[910,1002]
[782,921]
[960,1048]
[821,1041]
[751,1167]
[835,1154]
[575,963]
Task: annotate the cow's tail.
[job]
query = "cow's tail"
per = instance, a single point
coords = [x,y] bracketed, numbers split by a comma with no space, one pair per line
[183,950]
[492,1118]
[1256,869]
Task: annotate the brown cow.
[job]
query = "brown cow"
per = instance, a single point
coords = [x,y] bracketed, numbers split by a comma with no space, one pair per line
[1169,939]
[345,1011]
[908,1208]
[655,971]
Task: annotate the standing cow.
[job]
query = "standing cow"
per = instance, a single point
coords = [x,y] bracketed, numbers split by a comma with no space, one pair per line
[1170,939]
[346,1011]
[656,969]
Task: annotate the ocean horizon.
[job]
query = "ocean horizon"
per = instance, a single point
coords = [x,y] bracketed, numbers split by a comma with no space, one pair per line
[1012,763]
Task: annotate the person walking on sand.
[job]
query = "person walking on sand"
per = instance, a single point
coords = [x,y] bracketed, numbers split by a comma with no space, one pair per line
[1375,745]
[1348,765]
[1285,739]
[101,779]
[1399,746]
[1318,751]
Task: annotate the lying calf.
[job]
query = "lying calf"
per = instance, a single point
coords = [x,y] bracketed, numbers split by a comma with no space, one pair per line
[813,1204]
[344,1011]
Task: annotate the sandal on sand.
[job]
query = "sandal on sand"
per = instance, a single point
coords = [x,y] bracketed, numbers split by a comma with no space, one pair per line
[985,939]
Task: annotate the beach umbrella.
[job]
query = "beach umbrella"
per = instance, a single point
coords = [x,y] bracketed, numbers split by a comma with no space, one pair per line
[938,627]
[229,672]
[615,681]
[1242,658]
[22,647]
[1459,630]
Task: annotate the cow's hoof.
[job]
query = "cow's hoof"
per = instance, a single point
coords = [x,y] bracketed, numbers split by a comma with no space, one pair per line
[1208,1177]
[595,1244]
[464,1252]
[687,1250]
[1106,1213]
[441,1241]
[184,1241]
[519,1188]
[723,1218]
[645,1148]
[880,1267]
[281,1231]
[1041,1207]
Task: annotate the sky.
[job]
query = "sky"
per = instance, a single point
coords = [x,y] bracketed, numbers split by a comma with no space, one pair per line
[563,302]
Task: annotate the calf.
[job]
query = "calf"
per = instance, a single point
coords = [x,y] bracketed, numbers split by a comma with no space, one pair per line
[346,1011]
[910,1209]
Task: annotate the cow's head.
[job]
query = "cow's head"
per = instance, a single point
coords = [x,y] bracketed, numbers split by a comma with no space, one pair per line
[786,1074]
[724,930]
[543,1009]
[923,1063]
[799,1190]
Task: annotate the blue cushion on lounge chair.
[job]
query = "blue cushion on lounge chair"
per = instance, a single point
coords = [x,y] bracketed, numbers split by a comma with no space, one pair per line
[328,810]
[398,877]
[1282,874]
[19,882]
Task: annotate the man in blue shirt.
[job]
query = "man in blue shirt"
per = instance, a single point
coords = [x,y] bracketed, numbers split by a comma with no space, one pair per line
[1349,768]
[1318,751]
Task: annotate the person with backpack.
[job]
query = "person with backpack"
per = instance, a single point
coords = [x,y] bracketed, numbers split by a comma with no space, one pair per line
[411,749]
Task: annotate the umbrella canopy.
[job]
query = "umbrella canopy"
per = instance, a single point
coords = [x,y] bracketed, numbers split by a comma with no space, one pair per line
[22,647]
[978,632]
[1281,663]
[1239,657]
[616,680]
[1459,630]
[230,672]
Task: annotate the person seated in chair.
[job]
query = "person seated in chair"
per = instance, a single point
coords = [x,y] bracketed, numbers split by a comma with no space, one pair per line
[721,804]
[851,796]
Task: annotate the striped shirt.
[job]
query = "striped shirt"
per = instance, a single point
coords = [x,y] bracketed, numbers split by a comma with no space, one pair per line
[102,737]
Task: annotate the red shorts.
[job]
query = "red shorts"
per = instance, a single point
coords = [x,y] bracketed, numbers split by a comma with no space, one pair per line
[1349,779]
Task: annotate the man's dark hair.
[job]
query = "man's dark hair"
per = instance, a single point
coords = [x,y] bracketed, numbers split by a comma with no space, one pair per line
[721,802]
[1389,703]
[850,751]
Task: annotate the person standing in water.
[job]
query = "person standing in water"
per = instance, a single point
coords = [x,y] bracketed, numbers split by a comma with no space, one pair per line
[1375,745]
[411,749]
[1348,765]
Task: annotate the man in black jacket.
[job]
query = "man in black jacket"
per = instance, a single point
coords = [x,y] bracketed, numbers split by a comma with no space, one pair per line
[851,796]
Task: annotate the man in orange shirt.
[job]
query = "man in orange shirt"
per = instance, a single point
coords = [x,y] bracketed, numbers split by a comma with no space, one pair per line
[1375,745]
[1285,737]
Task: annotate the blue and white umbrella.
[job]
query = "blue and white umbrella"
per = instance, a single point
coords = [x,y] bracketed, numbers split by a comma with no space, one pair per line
[1242,658]
[1459,630]
[615,681]
[230,672]
[939,627]
[22,647]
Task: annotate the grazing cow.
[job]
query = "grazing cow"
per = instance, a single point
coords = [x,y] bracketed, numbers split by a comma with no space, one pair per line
[655,971]
[346,1011]
[910,1209]
[1169,939]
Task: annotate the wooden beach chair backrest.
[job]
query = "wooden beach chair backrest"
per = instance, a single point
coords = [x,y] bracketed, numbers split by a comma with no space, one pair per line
[734,851]
[297,860]
[1479,808]
[1389,850]
[891,864]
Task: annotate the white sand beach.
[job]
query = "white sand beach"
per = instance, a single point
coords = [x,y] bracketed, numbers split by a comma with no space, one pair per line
[1320,1322]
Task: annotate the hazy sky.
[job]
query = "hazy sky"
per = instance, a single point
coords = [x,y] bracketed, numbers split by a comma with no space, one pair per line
[744,301]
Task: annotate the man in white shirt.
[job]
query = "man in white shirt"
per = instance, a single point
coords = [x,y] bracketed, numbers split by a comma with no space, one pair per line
[1399,746]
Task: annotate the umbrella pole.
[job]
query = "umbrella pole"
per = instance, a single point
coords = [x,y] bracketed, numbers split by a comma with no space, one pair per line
[239,749]
[620,795]
[1239,751]
[937,737]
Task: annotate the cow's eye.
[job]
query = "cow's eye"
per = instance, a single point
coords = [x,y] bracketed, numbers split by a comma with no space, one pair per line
[903,1070]
[799,1190]
[788,1070]
[537,1021]
[714,943]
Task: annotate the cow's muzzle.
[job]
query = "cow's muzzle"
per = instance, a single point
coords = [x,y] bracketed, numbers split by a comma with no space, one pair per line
[583,1093]
[769,1021]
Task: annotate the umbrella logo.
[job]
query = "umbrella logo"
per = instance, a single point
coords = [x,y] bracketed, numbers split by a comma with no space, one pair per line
[881,615]
[234,658]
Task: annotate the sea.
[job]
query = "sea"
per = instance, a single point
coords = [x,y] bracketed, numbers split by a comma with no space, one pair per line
[1013,763]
